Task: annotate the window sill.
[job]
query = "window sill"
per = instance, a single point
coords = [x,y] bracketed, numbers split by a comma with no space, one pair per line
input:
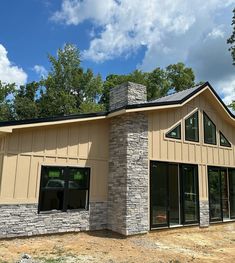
[60,211]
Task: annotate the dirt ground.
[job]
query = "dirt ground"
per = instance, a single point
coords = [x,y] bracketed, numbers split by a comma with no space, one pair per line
[214,244]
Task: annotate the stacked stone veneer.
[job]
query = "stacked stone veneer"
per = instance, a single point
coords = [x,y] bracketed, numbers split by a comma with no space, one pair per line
[204,213]
[24,220]
[128,165]
[127,94]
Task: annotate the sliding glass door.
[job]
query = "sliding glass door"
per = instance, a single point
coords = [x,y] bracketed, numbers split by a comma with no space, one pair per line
[221,182]
[232,192]
[215,194]
[173,194]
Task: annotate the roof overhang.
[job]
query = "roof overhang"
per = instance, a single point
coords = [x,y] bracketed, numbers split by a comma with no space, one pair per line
[8,127]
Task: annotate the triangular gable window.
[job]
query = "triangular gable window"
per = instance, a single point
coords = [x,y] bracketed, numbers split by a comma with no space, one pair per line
[209,130]
[174,133]
[224,141]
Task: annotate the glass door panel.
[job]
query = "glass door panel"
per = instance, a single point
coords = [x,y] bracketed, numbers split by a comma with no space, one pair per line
[174,204]
[189,193]
[159,197]
[232,192]
[224,192]
[215,194]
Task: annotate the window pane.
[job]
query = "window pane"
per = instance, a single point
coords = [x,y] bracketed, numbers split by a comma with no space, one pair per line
[175,133]
[77,199]
[224,141]
[52,188]
[190,193]
[209,130]
[78,178]
[159,193]
[232,192]
[173,182]
[191,128]
[224,191]
[214,194]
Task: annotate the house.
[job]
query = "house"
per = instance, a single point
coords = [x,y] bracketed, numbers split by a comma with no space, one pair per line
[140,166]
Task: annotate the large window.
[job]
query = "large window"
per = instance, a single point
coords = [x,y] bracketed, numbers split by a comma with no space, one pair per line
[64,188]
[174,133]
[209,130]
[173,194]
[192,128]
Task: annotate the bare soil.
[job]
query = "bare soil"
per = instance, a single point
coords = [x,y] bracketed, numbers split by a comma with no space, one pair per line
[191,244]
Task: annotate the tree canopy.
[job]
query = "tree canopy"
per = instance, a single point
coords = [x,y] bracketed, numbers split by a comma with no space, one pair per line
[231,40]
[70,89]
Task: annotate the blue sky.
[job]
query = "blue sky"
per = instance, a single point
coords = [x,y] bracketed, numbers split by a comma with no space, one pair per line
[119,36]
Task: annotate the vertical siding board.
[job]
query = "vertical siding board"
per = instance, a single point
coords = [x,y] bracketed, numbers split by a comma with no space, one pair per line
[39,141]
[73,141]
[13,142]
[164,149]
[83,141]
[50,142]
[8,181]
[22,177]
[62,141]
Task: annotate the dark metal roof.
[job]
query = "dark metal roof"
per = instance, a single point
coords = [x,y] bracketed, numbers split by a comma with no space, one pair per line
[51,119]
[177,96]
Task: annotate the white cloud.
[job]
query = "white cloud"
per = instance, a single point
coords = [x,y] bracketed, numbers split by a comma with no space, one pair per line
[73,12]
[194,32]
[40,70]
[10,73]
[126,25]
[227,89]
[216,33]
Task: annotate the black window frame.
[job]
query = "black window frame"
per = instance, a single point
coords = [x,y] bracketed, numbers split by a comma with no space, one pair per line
[229,144]
[204,129]
[167,135]
[185,127]
[65,189]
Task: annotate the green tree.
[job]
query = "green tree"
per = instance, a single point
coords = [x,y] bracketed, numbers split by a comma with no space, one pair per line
[180,77]
[6,91]
[231,40]
[157,84]
[67,85]
[25,105]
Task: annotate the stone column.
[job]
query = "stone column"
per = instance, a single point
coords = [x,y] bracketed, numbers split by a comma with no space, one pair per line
[204,213]
[128,166]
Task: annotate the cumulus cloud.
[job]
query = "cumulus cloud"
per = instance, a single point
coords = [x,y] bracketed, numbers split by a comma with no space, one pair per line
[40,70]
[10,73]
[216,33]
[193,32]
[126,25]
[73,12]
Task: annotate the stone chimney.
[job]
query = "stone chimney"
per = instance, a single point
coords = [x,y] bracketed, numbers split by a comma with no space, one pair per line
[128,163]
[127,93]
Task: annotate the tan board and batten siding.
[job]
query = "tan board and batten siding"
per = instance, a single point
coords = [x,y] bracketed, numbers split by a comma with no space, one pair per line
[181,151]
[83,144]
[86,144]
